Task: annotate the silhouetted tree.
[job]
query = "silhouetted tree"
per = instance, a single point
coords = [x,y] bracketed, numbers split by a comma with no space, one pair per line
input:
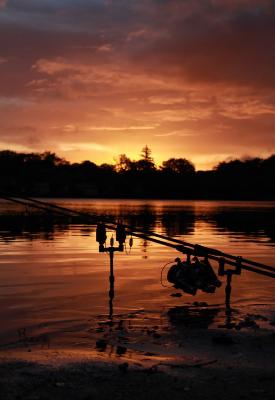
[178,166]
[146,163]
[107,167]
[146,154]
[123,164]
[52,159]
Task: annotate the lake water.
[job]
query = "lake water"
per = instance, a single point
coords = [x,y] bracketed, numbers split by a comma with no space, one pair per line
[54,284]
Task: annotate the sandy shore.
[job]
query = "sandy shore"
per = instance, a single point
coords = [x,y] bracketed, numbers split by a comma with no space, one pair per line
[199,364]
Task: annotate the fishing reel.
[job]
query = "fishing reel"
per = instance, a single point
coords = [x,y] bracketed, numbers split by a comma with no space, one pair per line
[191,276]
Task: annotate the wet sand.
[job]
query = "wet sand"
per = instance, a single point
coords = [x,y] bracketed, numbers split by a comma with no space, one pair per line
[198,364]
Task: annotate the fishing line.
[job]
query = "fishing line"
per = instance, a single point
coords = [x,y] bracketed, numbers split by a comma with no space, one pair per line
[161,273]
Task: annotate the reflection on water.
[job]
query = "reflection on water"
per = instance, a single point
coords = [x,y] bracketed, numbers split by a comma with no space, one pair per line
[252,220]
[193,317]
[54,285]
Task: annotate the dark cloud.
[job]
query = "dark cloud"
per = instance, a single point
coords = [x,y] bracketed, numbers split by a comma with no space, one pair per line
[199,41]
[213,46]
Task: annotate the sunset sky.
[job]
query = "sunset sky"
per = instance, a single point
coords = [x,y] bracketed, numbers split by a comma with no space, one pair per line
[91,79]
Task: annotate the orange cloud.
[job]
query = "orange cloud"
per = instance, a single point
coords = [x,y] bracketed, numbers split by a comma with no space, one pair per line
[94,79]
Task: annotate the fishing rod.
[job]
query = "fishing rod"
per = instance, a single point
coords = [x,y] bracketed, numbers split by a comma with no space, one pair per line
[184,247]
[24,203]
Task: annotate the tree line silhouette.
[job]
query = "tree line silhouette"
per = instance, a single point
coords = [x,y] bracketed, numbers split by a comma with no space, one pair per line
[47,175]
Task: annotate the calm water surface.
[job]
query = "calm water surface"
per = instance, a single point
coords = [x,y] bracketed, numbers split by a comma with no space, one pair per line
[54,284]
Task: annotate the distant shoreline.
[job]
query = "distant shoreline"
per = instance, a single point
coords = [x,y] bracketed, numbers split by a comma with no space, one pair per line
[46,175]
[235,199]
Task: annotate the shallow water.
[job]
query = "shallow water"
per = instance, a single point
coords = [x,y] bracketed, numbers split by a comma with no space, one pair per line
[54,285]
